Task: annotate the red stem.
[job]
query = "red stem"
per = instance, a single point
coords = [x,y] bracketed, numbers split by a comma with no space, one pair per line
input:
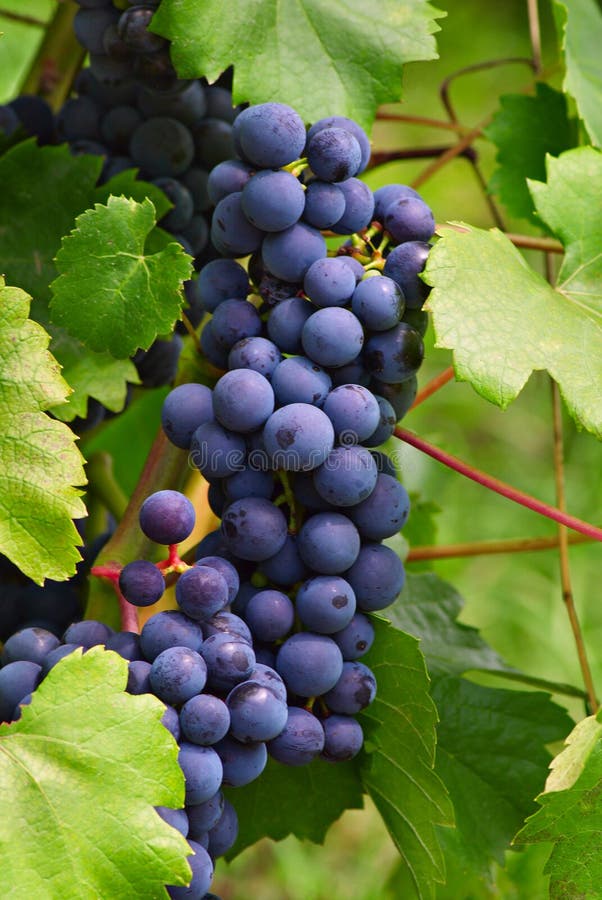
[173,558]
[433,386]
[500,487]
[128,612]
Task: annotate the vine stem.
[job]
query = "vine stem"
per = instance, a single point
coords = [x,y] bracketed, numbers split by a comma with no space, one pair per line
[58,59]
[534,34]
[563,553]
[527,241]
[421,120]
[433,386]
[103,485]
[500,487]
[485,548]
[22,19]
[450,154]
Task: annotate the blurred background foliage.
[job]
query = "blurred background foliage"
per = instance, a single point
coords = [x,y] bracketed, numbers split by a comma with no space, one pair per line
[515,600]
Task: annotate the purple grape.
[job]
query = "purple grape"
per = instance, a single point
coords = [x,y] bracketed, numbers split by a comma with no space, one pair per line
[270,615]
[254,528]
[141,583]
[203,772]
[167,517]
[356,638]
[343,738]
[298,437]
[325,604]
[256,713]
[184,409]
[177,674]
[354,691]
[301,741]
[328,543]
[201,592]
[204,719]
[309,664]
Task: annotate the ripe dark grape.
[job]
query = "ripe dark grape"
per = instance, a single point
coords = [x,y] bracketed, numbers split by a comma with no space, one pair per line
[167,517]
[141,583]
[301,741]
[309,664]
[270,135]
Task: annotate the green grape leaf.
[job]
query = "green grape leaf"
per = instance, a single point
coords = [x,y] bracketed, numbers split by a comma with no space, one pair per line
[503,340]
[544,127]
[125,184]
[421,527]
[43,190]
[428,608]
[310,798]
[90,374]
[80,773]
[39,462]
[571,815]
[331,47]
[109,294]
[491,756]
[581,24]
[564,203]
[397,767]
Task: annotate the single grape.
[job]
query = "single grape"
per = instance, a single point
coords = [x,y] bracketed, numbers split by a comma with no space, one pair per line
[324,204]
[298,437]
[377,576]
[356,638]
[270,135]
[378,302]
[228,177]
[309,664]
[184,409]
[228,623]
[229,660]
[409,219]
[325,604]
[285,324]
[225,569]
[354,691]
[328,543]
[329,282]
[289,254]
[332,337]
[347,476]
[216,452]
[222,279]
[231,395]
[126,643]
[334,154]
[270,615]
[254,528]
[231,232]
[234,320]
[359,207]
[354,413]
[273,200]
[384,512]
[343,738]
[203,772]
[118,125]
[256,713]
[169,628]
[242,763]
[88,633]
[249,482]
[213,139]
[223,834]
[133,30]
[203,816]
[286,567]
[394,356]
[180,215]
[56,655]
[301,741]
[187,103]
[299,380]
[268,677]
[255,353]
[171,720]
[204,719]
[167,517]
[32,644]
[141,583]
[177,674]
[400,396]
[197,182]
[347,125]
[404,265]
[90,24]
[201,592]
[16,680]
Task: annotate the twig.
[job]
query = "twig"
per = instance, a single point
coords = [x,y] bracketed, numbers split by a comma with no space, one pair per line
[487,548]
[450,154]
[387,156]
[191,331]
[534,34]
[470,70]
[563,553]
[433,386]
[498,486]
[420,120]
[103,484]
[548,245]
[21,18]
[58,59]
[128,613]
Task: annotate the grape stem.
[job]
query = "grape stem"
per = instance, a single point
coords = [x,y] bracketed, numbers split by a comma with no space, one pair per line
[191,331]
[58,59]
[420,120]
[500,487]
[485,548]
[128,613]
[433,386]
[289,500]
[23,19]
[563,553]
[173,563]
